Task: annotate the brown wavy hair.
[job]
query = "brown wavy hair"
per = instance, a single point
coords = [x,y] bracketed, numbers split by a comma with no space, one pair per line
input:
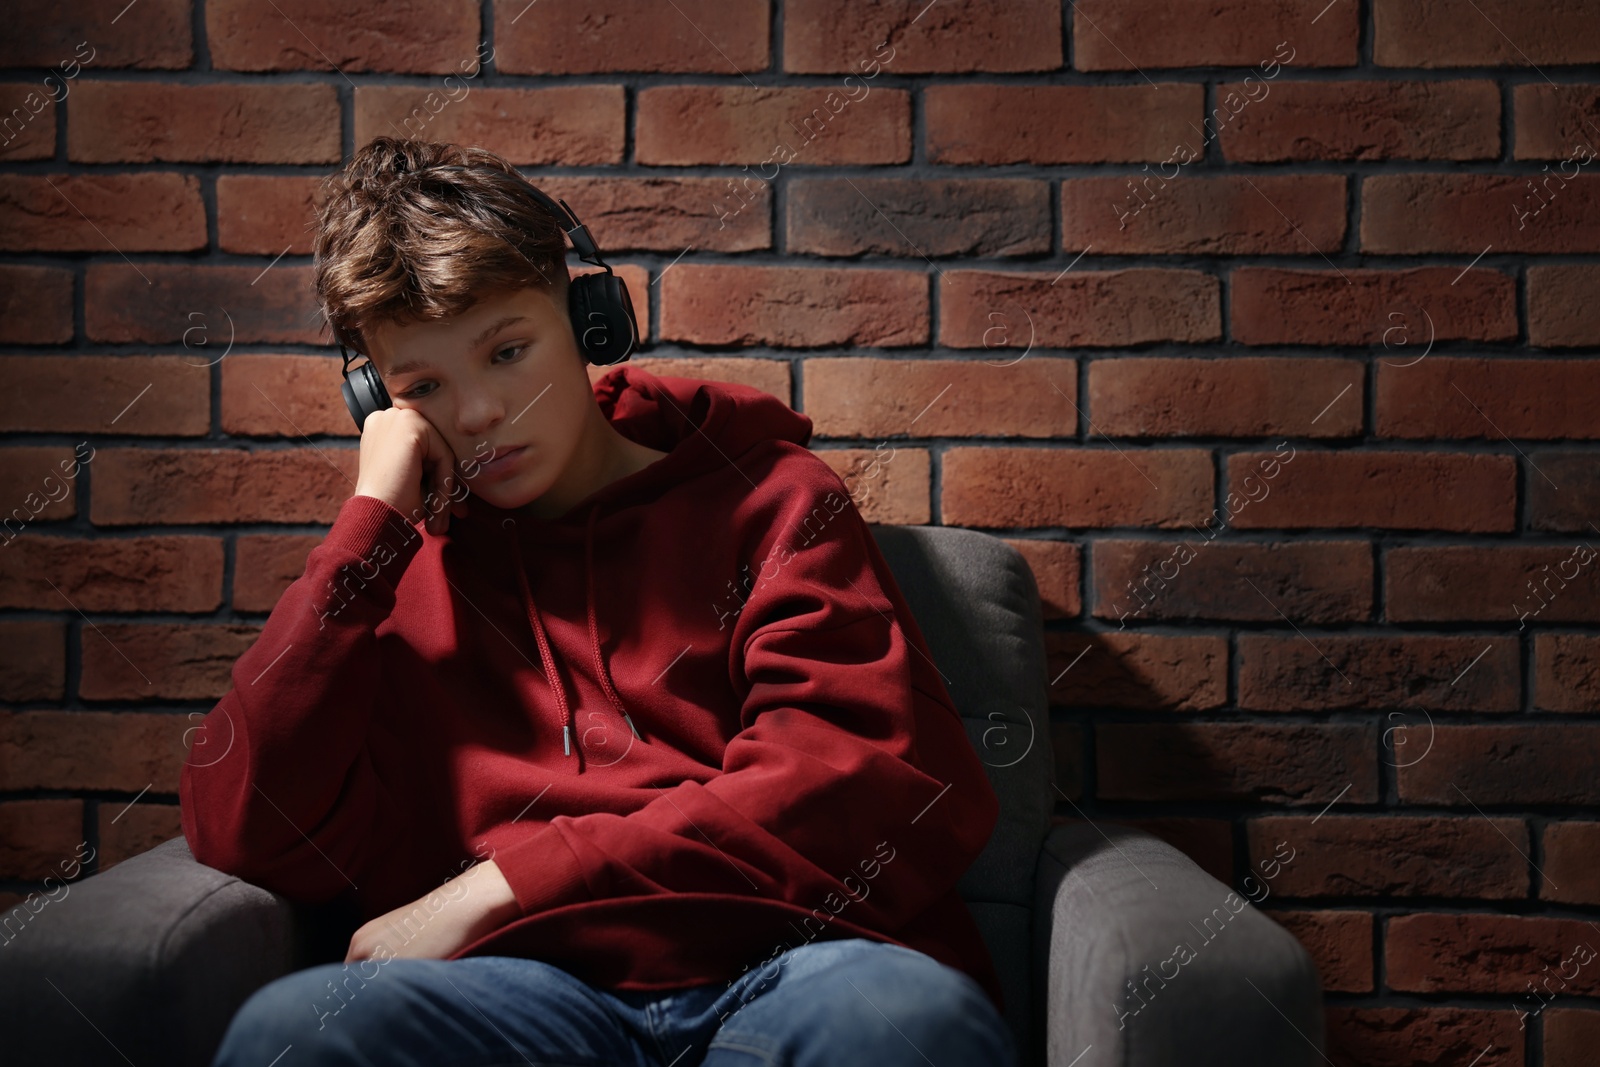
[399,241]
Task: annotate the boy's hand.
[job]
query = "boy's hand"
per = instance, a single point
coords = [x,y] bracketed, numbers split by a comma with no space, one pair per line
[459,912]
[405,460]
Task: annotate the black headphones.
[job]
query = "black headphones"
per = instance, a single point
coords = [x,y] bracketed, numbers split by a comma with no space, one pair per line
[599,305]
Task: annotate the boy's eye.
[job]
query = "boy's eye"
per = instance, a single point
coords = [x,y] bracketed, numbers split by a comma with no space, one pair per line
[422,389]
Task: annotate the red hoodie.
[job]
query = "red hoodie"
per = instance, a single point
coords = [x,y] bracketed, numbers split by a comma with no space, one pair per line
[692,720]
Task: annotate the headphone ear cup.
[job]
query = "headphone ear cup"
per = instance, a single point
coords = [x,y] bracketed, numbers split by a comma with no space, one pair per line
[602,317]
[364,393]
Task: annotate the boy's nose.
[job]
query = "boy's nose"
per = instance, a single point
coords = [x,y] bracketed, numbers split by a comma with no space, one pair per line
[478,413]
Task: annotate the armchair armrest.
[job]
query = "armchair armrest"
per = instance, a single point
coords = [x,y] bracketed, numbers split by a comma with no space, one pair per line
[149,959]
[1144,959]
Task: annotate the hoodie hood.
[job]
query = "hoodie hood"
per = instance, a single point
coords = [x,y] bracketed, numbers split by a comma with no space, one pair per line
[699,424]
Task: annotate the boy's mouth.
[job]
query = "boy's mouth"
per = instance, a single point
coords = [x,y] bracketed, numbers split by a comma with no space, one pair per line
[503,460]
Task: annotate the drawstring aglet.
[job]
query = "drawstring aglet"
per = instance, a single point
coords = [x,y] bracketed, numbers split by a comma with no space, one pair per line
[632,727]
[566,738]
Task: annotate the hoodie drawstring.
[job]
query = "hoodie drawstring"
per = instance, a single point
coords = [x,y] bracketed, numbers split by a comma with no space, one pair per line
[552,678]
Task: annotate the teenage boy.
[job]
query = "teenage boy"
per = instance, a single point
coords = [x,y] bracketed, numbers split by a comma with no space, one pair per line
[633,752]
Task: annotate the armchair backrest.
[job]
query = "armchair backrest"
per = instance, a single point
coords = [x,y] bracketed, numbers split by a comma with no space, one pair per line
[977,604]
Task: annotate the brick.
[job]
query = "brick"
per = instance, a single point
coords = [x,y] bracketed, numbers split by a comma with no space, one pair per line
[113,574]
[1270,306]
[793,307]
[1566,672]
[1482,765]
[1366,856]
[81,37]
[1264,764]
[1569,872]
[671,214]
[135,485]
[564,125]
[971,124]
[39,484]
[967,36]
[1240,396]
[1470,33]
[1340,943]
[35,305]
[1209,842]
[1012,312]
[1555,122]
[265,214]
[218,122]
[917,219]
[101,212]
[686,125]
[1365,120]
[1561,488]
[166,395]
[589,37]
[1445,397]
[1082,487]
[890,486]
[941,398]
[100,750]
[1510,584]
[284,396]
[1155,213]
[142,661]
[34,666]
[1141,34]
[1335,672]
[28,119]
[265,565]
[38,836]
[363,36]
[1056,566]
[1474,953]
[1406,214]
[203,307]
[128,830]
[1570,1036]
[1138,672]
[1318,583]
[1391,490]
[1403,1037]
[1562,311]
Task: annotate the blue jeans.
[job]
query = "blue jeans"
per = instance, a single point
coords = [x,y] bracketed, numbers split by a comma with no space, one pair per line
[848,1001]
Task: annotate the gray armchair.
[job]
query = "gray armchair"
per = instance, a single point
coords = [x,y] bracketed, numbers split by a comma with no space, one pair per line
[147,962]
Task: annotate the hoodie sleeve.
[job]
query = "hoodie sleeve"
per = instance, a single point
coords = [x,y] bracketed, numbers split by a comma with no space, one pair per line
[851,763]
[278,787]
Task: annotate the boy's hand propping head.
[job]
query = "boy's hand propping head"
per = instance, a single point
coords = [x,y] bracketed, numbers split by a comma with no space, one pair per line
[407,463]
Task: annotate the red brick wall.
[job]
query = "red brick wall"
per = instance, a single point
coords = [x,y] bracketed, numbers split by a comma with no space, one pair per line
[1099,273]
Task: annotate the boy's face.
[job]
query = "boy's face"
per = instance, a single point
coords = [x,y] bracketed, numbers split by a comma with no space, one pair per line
[501,382]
